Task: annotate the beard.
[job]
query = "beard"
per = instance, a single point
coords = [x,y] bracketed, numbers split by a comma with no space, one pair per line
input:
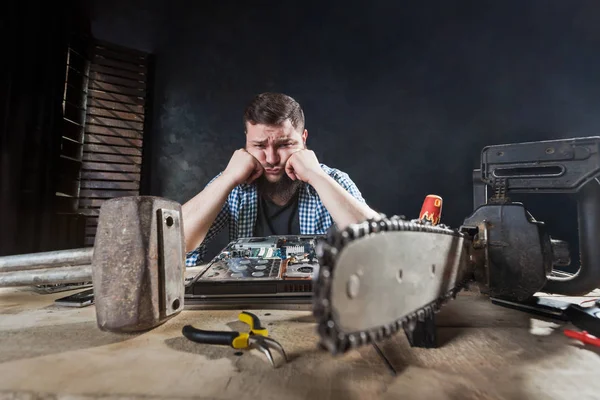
[281,191]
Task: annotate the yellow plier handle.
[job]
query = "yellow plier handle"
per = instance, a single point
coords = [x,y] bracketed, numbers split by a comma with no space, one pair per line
[254,322]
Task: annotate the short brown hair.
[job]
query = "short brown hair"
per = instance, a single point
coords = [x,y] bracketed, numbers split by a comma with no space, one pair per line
[273,109]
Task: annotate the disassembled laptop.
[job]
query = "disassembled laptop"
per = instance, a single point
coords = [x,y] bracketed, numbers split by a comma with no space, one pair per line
[272,269]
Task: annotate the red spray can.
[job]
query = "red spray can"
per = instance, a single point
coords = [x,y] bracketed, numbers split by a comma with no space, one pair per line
[432,209]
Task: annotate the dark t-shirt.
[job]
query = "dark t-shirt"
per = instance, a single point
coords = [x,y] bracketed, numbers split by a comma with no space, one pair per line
[272,219]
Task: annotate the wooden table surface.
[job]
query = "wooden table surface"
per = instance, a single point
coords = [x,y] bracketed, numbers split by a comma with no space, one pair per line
[487,352]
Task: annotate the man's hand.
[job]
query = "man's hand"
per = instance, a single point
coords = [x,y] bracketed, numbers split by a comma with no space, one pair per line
[343,207]
[243,168]
[303,165]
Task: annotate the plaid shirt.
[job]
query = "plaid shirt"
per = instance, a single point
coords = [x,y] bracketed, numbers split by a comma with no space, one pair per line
[240,211]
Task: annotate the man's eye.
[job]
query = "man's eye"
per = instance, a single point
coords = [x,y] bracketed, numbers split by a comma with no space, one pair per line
[259,146]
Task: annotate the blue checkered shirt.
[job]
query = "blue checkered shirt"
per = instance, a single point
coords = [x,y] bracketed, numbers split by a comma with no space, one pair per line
[240,209]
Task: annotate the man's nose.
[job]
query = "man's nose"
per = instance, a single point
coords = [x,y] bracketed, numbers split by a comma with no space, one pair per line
[272,156]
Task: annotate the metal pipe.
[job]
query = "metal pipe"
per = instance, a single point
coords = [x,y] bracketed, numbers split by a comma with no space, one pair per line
[48,276]
[48,259]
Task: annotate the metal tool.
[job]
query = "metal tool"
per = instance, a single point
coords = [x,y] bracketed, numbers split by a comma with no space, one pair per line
[385,274]
[136,265]
[257,337]
[566,166]
[587,319]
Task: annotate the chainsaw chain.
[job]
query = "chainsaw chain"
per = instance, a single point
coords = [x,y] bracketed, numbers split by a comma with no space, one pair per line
[328,250]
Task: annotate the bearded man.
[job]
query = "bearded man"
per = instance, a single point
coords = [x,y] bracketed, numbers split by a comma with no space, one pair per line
[273,186]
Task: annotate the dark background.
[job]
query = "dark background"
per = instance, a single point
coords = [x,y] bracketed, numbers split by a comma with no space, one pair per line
[401,96]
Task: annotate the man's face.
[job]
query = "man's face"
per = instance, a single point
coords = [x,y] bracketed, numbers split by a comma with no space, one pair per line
[273,145]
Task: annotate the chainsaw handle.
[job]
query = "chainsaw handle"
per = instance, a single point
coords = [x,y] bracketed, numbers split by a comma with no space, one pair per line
[588,216]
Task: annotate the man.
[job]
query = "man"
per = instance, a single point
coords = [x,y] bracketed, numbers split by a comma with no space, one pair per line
[273,186]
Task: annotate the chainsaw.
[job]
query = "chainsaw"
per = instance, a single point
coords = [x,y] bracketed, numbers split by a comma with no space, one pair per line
[392,273]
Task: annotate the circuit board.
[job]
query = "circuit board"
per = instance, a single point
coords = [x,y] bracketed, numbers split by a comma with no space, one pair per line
[265,258]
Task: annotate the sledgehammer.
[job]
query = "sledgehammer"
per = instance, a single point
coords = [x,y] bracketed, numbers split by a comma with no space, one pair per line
[137,264]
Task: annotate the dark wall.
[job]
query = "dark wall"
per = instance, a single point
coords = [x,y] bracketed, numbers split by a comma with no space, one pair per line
[32,77]
[400,95]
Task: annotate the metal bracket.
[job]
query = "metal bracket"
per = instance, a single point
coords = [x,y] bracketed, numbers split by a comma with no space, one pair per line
[422,332]
[171,262]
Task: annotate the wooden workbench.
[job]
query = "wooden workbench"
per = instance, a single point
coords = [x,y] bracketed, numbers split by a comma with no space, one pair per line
[487,352]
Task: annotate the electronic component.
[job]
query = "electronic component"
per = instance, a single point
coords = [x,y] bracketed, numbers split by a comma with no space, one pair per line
[264,258]
[81,299]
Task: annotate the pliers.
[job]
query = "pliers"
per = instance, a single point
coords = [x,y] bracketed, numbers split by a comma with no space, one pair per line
[257,337]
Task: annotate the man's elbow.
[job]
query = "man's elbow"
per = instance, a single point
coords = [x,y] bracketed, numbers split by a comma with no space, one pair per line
[188,247]
[192,242]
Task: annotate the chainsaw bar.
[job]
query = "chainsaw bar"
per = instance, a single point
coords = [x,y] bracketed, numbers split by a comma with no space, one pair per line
[380,275]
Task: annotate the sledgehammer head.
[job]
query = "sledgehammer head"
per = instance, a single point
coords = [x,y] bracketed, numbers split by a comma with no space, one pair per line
[138,263]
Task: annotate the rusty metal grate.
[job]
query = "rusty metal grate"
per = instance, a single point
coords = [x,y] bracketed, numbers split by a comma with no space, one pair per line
[114,129]
[69,225]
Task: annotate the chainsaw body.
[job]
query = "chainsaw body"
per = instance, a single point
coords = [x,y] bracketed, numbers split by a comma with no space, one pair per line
[387,274]
[522,252]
